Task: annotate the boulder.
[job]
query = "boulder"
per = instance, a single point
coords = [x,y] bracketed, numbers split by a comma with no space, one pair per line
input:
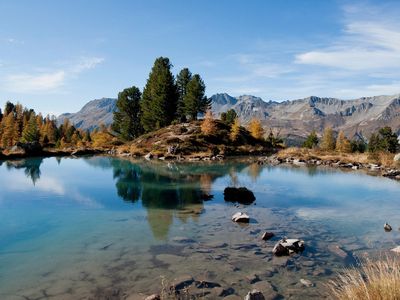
[397,158]
[306,282]
[288,246]
[387,227]
[148,156]
[153,297]
[241,217]
[241,195]
[254,295]
[25,149]
[396,249]
[267,236]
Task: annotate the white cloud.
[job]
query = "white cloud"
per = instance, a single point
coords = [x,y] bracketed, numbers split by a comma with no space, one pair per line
[367,45]
[43,82]
[25,83]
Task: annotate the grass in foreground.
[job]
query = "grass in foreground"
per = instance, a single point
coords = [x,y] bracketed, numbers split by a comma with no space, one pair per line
[372,280]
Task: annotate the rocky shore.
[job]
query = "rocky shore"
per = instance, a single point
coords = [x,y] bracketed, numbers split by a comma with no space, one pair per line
[377,169]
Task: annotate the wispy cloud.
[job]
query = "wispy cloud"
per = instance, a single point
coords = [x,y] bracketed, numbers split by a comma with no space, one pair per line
[47,81]
[368,43]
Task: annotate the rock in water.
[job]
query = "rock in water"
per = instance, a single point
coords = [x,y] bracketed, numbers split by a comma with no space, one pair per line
[148,156]
[241,195]
[387,227]
[241,217]
[153,297]
[288,246]
[254,295]
[396,249]
[306,282]
[267,235]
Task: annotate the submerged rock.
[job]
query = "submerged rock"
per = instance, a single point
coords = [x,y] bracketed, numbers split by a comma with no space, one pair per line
[182,282]
[306,282]
[241,217]
[267,235]
[241,195]
[387,227]
[288,246]
[254,295]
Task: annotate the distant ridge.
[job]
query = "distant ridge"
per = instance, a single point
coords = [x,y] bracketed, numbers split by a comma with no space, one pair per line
[92,115]
[294,119]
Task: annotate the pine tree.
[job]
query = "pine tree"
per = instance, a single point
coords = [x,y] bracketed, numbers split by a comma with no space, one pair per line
[208,125]
[160,96]
[10,131]
[31,132]
[311,141]
[256,129]
[235,130]
[342,143]
[195,100]
[182,80]
[127,116]
[229,116]
[328,142]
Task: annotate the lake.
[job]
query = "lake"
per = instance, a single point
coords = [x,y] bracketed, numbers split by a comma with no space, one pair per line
[109,228]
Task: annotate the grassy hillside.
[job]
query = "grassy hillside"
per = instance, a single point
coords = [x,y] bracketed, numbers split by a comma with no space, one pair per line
[187,140]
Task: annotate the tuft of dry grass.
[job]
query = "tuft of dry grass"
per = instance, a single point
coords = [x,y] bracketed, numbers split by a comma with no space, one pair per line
[372,280]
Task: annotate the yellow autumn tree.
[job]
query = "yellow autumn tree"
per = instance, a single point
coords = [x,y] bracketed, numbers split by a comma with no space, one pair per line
[255,128]
[208,124]
[342,143]
[328,142]
[235,130]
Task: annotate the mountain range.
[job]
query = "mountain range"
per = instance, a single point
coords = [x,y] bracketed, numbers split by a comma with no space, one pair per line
[293,119]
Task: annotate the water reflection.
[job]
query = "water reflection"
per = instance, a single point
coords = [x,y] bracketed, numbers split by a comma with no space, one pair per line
[31,167]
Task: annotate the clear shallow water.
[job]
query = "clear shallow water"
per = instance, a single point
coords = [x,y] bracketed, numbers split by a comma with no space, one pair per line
[104,227]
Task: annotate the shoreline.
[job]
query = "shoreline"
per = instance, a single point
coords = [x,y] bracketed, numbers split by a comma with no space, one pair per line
[274,159]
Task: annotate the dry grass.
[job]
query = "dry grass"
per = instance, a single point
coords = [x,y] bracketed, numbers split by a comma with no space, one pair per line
[372,280]
[381,158]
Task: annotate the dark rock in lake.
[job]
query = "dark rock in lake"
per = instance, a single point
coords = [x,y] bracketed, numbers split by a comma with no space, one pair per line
[241,195]
[267,236]
[206,197]
[387,227]
[182,282]
[254,295]
[288,246]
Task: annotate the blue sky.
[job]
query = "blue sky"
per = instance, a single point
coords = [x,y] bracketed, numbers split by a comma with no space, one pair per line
[57,55]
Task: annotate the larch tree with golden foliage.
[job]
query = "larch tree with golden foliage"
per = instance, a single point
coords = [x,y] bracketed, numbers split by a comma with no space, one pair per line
[255,128]
[208,124]
[235,130]
[328,142]
[342,143]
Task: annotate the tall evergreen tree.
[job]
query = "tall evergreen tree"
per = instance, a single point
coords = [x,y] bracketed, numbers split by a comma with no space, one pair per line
[160,96]
[31,131]
[311,141]
[195,100]
[182,80]
[127,116]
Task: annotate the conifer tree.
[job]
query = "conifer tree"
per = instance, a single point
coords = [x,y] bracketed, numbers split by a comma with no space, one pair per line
[235,130]
[229,116]
[10,131]
[127,116]
[208,125]
[159,100]
[256,129]
[342,143]
[328,142]
[195,100]
[182,80]
[31,131]
[311,141]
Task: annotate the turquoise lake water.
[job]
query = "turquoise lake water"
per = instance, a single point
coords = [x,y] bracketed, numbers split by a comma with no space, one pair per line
[88,228]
